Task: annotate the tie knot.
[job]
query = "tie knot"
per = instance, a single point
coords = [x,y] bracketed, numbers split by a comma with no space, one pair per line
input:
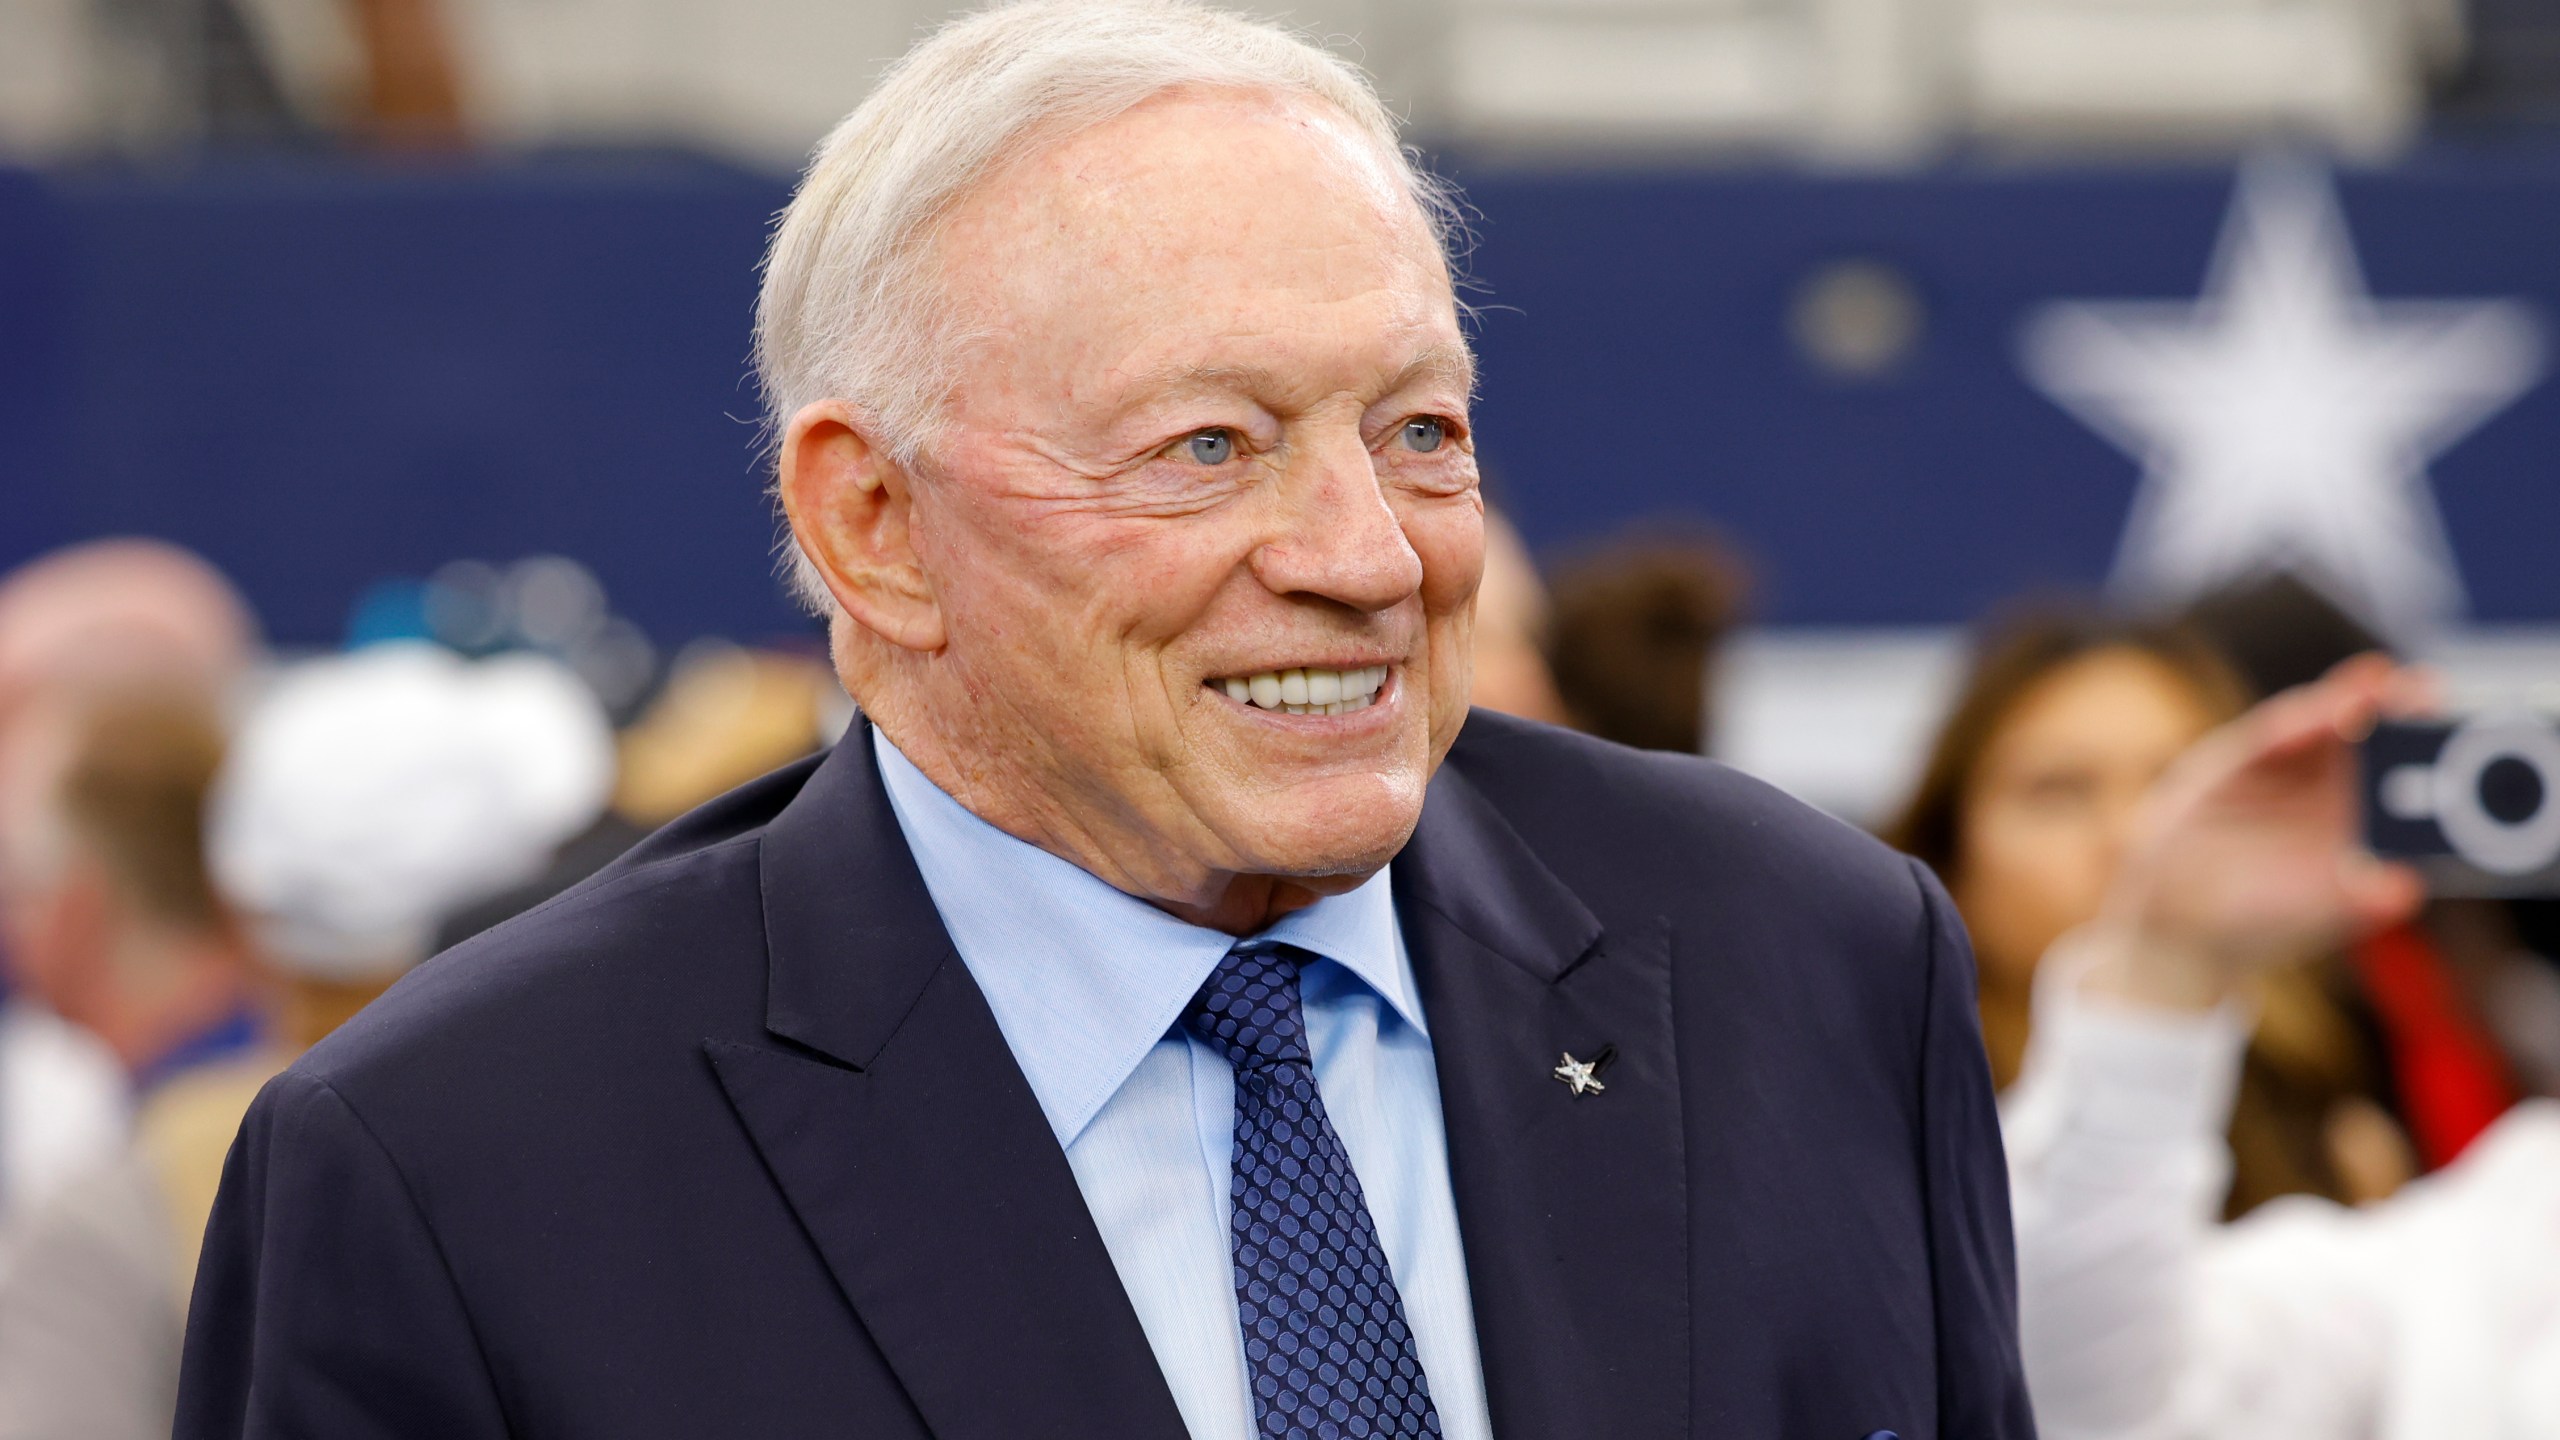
[1249,1010]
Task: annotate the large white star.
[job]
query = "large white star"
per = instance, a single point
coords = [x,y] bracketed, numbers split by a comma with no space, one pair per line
[2286,419]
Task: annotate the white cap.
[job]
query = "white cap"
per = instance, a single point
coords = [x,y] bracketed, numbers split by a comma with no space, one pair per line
[369,795]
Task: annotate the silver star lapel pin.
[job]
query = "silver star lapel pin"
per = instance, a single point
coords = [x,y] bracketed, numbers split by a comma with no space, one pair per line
[1582,1077]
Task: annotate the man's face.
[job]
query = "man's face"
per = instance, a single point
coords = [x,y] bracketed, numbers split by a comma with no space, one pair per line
[1204,527]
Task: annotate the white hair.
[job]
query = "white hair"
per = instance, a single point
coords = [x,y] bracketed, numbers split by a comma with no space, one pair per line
[847,309]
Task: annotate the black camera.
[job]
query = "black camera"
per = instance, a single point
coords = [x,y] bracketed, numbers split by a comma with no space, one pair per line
[2475,805]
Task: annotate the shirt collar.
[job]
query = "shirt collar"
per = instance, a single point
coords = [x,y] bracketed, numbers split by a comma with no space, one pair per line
[1085,979]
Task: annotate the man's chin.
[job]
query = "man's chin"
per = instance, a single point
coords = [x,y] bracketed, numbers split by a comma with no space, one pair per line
[1328,848]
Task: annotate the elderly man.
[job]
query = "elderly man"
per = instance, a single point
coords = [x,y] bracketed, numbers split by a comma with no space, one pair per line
[1156,1019]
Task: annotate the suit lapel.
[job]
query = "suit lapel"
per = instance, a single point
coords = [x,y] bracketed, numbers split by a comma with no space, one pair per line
[1574,1210]
[898,1126]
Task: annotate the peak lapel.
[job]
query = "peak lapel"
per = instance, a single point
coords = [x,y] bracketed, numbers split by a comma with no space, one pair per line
[1573,1208]
[912,1149]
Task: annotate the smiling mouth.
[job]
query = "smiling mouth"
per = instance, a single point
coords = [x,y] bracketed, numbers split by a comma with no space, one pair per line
[1308,690]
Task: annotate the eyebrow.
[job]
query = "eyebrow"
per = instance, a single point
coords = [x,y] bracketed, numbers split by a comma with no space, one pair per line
[1447,360]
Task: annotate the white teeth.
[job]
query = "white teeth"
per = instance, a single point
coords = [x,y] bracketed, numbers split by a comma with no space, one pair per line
[1307,690]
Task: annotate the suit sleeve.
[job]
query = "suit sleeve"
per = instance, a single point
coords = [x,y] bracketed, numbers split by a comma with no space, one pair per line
[323,1306]
[1982,1392]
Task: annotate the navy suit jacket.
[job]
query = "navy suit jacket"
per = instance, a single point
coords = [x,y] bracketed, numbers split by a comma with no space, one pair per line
[726,1142]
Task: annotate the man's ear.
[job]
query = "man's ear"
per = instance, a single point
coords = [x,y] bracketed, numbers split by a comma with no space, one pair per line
[851,508]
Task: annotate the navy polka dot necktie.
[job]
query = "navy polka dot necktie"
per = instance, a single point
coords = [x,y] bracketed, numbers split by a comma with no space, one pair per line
[1325,1343]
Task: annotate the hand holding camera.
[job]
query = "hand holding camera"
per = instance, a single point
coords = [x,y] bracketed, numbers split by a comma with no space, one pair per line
[2475,806]
[2251,852]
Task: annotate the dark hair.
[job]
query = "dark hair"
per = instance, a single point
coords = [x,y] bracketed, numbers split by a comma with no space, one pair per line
[1633,628]
[2280,631]
[2015,654]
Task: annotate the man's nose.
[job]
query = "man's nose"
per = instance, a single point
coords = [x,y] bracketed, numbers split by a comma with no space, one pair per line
[1336,536]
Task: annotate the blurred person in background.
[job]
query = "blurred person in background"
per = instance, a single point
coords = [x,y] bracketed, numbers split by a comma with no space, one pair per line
[117,926]
[2431,1315]
[363,797]
[2279,631]
[1623,646]
[2026,805]
[121,613]
[147,75]
[726,715]
[2465,1017]
[109,618]
[373,795]
[113,924]
[1636,627]
[1513,619]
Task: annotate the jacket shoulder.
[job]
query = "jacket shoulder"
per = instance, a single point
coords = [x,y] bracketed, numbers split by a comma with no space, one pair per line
[1635,826]
[1642,834]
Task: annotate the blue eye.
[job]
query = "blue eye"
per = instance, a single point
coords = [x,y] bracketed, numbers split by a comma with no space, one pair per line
[1211,447]
[1425,433]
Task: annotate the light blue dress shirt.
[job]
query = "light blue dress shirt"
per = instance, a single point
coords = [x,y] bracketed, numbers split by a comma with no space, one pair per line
[1089,985]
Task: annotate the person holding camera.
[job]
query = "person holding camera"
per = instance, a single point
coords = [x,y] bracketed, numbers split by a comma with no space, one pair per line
[2435,1313]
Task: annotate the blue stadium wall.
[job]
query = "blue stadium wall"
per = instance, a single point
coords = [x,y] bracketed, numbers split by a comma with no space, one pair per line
[323,374]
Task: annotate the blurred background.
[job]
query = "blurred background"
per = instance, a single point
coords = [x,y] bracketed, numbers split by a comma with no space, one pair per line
[339,293]
[1949,410]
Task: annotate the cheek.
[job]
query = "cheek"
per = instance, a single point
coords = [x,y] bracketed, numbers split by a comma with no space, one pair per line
[1070,589]
[1447,534]
[2027,878]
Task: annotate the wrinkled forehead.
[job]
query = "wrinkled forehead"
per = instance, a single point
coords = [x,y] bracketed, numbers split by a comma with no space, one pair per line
[1239,219]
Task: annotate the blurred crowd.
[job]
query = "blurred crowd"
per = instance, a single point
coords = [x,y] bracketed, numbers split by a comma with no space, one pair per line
[211,857]
[1874,82]
[2287,1172]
